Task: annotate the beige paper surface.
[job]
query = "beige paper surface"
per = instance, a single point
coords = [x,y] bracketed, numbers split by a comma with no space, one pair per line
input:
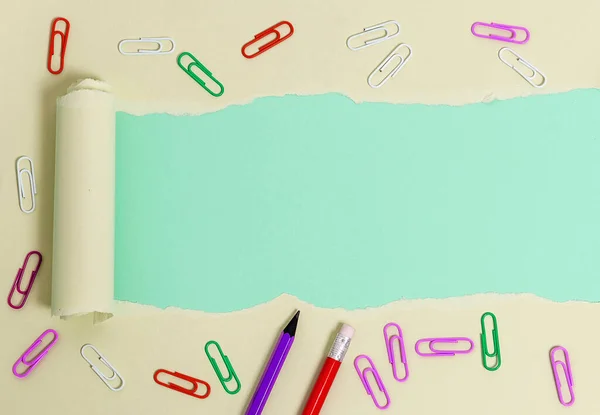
[449,67]
[140,340]
[84,202]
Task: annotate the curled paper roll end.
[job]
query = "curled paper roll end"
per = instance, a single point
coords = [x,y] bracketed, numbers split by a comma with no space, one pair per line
[98,316]
[85,92]
[84,200]
[89,84]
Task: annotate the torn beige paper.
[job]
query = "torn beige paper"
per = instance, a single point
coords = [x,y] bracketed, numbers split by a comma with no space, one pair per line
[84,202]
[449,66]
[140,340]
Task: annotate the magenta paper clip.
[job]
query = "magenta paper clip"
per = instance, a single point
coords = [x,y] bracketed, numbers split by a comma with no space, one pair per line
[510,33]
[566,366]
[389,345]
[32,362]
[362,374]
[19,279]
[444,340]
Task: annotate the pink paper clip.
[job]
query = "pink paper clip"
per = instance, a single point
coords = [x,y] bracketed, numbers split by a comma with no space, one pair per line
[389,345]
[19,278]
[566,366]
[444,340]
[362,374]
[31,363]
[512,32]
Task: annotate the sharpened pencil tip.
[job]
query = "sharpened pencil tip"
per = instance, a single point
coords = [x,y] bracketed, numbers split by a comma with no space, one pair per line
[291,327]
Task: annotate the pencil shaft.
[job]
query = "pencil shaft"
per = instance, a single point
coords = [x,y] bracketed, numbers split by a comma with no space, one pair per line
[267,381]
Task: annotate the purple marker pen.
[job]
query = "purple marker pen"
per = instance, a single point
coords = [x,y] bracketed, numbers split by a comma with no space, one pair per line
[269,376]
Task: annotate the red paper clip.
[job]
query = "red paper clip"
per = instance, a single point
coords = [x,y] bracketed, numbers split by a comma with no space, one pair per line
[188,391]
[64,36]
[271,30]
[19,278]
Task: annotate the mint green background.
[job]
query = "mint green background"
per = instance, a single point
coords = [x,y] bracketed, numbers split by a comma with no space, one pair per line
[354,205]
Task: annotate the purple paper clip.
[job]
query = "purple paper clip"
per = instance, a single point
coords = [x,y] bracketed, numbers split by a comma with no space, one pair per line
[19,278]
[566,365]
[389,343]
[362,374]
[512,32]
[444,340]
[31,363]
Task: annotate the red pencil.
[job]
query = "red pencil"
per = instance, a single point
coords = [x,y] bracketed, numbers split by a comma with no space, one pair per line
[329,371]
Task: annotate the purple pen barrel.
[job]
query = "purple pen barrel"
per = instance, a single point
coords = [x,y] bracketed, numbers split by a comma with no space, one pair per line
[267,381]
[273,368]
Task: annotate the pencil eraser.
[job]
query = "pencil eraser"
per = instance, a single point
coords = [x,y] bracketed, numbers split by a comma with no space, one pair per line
[347,331]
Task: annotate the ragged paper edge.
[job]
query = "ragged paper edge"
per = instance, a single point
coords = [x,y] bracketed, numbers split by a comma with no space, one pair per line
[127,308]
[138,108]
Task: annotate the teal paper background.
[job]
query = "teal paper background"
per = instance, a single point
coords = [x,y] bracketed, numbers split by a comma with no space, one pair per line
[355,205]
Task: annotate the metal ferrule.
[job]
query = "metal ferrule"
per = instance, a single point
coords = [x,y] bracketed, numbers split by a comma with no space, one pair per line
[339,347]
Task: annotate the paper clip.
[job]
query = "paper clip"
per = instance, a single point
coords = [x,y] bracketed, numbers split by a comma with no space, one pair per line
[196,63]
[512,32]
[222,379]
[160,42]
[533,69]
[566,365]
[16,287]
[102,376]
[495,353]
[31,363]
[362,374]
[64,37]
[389,343]
[378,27]
[444,340]
[195,383]
[275,41]
[30,172]
[387,60]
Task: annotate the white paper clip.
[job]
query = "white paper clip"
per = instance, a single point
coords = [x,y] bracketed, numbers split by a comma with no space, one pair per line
[105,379]
[31,174]
[378,27]
[159,41]
[534,71]
[394,54]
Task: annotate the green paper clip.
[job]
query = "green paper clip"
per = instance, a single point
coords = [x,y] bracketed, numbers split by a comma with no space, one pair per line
[495,353]
[227,363]
[188,70]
